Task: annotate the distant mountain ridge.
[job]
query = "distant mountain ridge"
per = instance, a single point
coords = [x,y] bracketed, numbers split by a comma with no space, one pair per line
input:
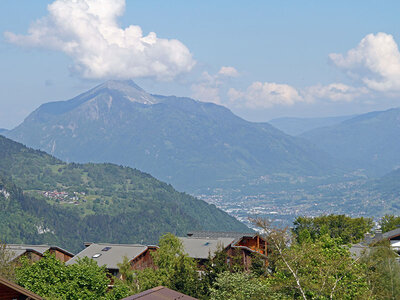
[368,141]
[44,200]
[191,144]
[297,126]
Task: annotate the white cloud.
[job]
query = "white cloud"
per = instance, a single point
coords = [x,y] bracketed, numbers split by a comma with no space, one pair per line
[88,32]
[206,93]
[208,87]
[265,95]
[376,61]
[334,92]
[228,71]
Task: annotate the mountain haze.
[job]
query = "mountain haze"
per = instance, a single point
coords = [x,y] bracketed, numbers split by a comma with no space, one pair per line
[297,126]
[188,143]
[369,141]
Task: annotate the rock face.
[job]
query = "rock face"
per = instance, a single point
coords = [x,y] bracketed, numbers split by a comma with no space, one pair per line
[188,143]
[369,141]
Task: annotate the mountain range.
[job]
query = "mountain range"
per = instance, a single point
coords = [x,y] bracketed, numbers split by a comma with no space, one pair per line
[369,141]
[297,126]
[44,200]
[190,144]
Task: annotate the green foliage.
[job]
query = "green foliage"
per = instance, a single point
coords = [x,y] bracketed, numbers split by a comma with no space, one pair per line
[119,204]
[52,279]
[7,267]
[389,222]
[174,269]
[324,269]
[349,230]
[383,271]
[239,286]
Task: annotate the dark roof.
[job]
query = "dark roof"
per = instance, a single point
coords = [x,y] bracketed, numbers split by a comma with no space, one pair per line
[219,234]
[13,286]
[160,293]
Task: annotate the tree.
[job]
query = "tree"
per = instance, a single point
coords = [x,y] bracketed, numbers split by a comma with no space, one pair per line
[7,266]
[52,279]
[383,271]
[314,269]
[239,286]
[389,222]
[349,230]
[174,269]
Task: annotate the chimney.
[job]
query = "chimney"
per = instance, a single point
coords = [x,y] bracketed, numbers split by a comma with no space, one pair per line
[378,235]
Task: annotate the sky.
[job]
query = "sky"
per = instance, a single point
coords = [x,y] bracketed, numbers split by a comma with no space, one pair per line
[262,59]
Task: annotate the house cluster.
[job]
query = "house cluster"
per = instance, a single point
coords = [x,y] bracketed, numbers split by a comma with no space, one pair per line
[63,196]
[199,245]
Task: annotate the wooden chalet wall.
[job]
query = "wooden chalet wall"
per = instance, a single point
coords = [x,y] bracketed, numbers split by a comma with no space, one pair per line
[144,260]
[64,257]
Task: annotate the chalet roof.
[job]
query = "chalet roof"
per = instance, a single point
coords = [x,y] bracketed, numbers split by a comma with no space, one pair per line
[391,234]
[160,293]
[109,254]
[19,249]
[199,244]
[357,250]
[219,234]
[8,285]
[202,247]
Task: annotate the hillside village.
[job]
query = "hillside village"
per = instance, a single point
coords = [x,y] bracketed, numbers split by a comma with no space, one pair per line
[198,261]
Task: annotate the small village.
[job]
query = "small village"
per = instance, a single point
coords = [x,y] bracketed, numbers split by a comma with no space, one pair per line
[243,249]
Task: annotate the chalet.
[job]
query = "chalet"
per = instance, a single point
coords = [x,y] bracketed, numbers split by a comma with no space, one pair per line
[394,237]
[201,244]
[36,252]
[12,291]
[111,255]
[160,293]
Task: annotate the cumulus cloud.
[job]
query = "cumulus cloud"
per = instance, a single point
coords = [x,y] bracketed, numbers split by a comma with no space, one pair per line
[208,86]
[88,32]
[228,71]
[266,95]
[334,92]
[375,61]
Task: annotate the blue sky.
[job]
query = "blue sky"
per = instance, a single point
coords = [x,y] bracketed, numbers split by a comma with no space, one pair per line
[279,56]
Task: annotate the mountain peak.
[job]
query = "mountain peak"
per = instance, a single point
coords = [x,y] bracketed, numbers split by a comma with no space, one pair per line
[120,84]
[129,90]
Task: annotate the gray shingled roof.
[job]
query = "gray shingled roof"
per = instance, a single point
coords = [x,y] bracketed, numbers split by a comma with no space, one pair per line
[111,257]
[219,234]
[202,247]
[19,249]
[392,233]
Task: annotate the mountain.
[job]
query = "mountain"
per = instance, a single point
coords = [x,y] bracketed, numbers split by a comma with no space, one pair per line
[2,130]
[297,126]
[190,144]
[369,141]
[388,185]
[44,200]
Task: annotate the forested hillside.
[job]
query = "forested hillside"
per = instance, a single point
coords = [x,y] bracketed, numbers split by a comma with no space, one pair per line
[68,204]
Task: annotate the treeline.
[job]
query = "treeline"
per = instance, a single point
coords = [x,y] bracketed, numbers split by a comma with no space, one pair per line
[310,261]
